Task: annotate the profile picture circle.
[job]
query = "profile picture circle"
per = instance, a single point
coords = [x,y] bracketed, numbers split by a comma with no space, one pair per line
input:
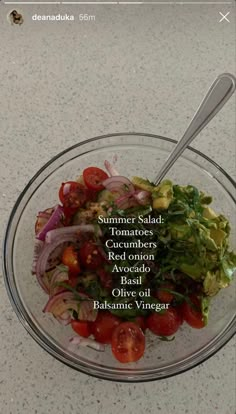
[15,17]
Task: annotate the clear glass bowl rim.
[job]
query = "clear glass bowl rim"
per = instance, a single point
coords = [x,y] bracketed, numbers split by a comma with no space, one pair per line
[104,373]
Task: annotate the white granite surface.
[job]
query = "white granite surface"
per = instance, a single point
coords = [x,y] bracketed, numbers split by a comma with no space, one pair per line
[137,68]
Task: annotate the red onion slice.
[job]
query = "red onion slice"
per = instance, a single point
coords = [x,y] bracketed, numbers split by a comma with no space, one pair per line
[60,274]
[53,235]
[45,214]
[38,247]
[61,303]
[118,184]
[52,223]
[142,197]
[111,170]
[86,309]
[126,201]
[133,199]
[42,219]
[55,257]
[64,319]
[78,340]
[42,262]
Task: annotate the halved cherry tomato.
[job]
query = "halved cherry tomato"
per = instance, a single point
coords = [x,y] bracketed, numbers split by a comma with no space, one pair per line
[73,196]
[192,315]
[164,296]
[128,342]
[89,256]
[93,177]
[103,327]
[70,259]
[105,278]
[164,324]
[141,322]
[82,328]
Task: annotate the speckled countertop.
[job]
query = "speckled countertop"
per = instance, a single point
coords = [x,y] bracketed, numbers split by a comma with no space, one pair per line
[137,68]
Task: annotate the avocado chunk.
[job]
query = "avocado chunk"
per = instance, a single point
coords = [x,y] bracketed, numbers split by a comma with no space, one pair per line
[143,184]
[220,278]
[192,270]
[222,223]
[211,284]
[208,213]
[161,203]
[162,195]
[218,236]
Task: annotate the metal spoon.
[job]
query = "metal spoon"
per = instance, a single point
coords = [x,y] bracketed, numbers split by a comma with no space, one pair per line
[219,93]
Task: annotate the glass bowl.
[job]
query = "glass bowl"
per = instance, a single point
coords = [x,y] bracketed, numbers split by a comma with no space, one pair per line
[134,154]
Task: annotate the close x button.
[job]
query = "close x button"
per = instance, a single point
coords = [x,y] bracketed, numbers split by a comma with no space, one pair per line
[224,17]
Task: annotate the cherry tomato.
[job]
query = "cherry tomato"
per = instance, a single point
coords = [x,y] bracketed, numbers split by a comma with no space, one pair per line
[164,324]
[164,296]
[128,342]
[141,322]
[70,259]
[105,278]
[73,196]
[89,256]
[103,327]
[82,328]
[191,315]
[93,177]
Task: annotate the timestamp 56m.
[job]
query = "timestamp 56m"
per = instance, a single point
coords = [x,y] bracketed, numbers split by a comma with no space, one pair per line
[87,17]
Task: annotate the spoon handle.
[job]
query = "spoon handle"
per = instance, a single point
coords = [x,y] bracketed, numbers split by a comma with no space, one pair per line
[219,93]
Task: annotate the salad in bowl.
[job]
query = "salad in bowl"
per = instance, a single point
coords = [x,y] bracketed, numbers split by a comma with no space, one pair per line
[119,257]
